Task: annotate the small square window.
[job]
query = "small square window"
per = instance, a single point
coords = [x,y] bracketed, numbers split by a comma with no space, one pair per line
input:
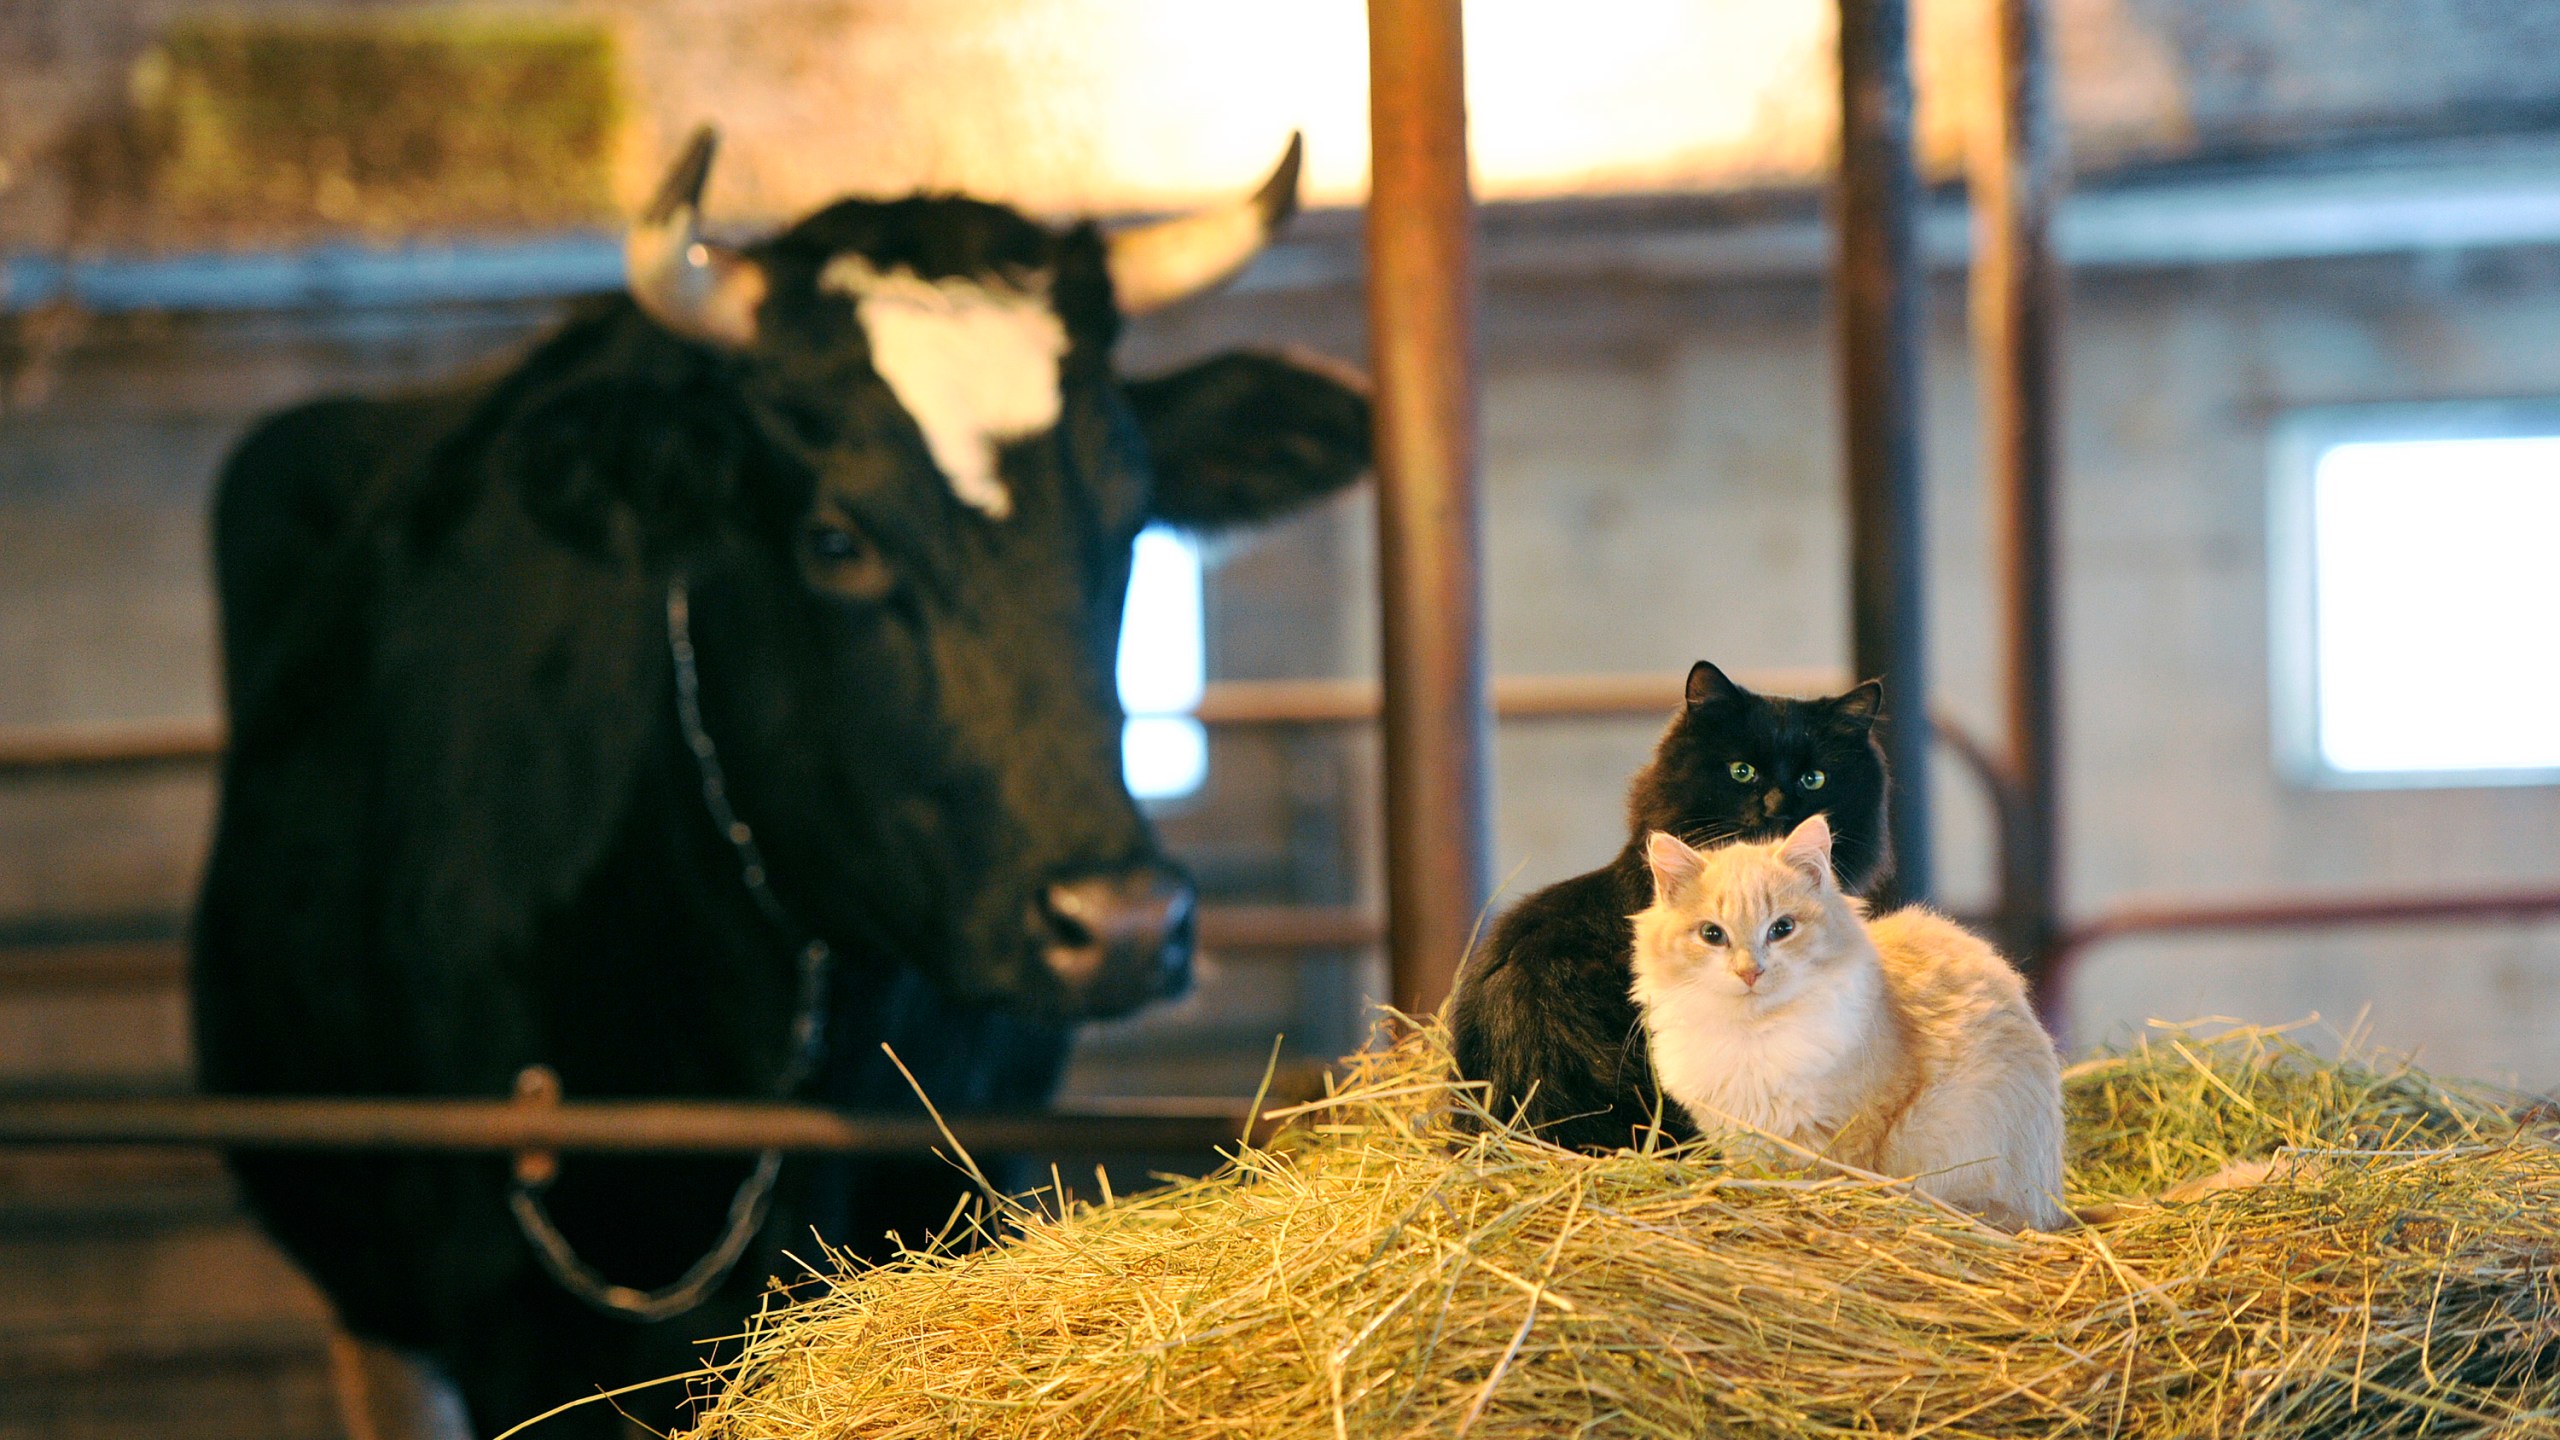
[1163,669]
[2416,596]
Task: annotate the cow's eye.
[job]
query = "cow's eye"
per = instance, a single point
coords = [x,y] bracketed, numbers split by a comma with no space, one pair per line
[845,561]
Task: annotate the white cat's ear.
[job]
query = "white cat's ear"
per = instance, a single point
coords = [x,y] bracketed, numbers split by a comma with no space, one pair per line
[1672,862]
[1808,848]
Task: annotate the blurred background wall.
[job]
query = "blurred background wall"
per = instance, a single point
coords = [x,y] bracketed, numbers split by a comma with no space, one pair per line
[1660,442]
[211,211]
[2284,204]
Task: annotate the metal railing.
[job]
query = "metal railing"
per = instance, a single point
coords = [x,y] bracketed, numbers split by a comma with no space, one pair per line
[671,1126]
[108,748]
[115,749]
[2274,913]
[651,1127]
[499,1126]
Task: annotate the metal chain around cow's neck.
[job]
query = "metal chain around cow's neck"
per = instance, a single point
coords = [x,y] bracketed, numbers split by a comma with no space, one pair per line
[754,1194]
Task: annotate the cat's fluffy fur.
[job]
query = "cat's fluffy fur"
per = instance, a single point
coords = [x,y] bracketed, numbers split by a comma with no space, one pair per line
[1902,1045]
[1542,1017]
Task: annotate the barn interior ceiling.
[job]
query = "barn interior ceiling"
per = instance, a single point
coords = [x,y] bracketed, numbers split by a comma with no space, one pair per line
[1070,106]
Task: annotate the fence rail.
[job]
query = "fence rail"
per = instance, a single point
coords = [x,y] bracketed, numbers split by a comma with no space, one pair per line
[674,1127]
[655,1127]
[2260,914]
[49,960]
[122,745]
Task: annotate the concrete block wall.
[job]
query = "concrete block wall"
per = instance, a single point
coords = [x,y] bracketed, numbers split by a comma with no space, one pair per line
[1672,493]
[1660,485]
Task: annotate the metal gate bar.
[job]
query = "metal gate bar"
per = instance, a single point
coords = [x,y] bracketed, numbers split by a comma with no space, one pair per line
[1876,293]
[1421,222]
[2268,913]
[656,1127]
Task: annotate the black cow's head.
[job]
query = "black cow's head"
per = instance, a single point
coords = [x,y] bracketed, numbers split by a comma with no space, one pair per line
[902,480]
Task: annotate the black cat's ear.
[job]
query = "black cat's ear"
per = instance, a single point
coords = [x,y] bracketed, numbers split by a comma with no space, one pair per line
[1860,705]
[1711,686]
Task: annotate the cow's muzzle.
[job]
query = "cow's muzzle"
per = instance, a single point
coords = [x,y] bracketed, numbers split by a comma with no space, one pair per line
[1116,941]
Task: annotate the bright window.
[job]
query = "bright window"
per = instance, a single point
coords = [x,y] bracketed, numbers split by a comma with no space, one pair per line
[1164,752]
[2424,604]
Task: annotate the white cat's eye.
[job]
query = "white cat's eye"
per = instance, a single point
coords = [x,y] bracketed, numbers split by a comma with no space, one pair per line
[1782,927]
[1712,934]
[1812,779]
[1742,771]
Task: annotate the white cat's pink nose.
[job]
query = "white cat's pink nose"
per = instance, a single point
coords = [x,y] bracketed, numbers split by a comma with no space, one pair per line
[1747,971]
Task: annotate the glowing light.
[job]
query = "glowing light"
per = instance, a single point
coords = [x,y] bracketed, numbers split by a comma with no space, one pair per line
[1068,106]
[2435,604]
[1163,669]
[1164,757]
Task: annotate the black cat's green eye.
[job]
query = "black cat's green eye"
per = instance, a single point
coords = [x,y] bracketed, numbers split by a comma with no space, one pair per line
[1812,779]
[1782,927]
[1743,772]
[1712,934]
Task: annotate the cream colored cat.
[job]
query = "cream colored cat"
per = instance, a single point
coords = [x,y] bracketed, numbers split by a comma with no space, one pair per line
[1902,1045]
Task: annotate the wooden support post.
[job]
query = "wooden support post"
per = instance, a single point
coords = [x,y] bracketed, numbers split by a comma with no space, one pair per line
[1422,354]
[1876,288]
[2015,179]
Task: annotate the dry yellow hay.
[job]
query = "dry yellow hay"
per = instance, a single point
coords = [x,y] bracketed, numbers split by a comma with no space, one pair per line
[1379,1273]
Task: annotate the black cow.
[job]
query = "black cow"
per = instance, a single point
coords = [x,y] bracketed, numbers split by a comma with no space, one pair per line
[739,661]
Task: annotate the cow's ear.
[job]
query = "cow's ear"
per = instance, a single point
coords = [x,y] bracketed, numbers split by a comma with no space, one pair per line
[1245,436]
[661,456]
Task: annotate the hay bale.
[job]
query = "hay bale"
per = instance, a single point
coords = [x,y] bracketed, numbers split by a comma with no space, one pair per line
[1377,1273]
[260,122]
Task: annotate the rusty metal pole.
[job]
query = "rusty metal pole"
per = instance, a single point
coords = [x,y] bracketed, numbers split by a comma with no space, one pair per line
[2015,180]
[1422,354]
[1876,287]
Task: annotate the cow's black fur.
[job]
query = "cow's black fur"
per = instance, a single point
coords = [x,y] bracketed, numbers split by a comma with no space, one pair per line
[460,833]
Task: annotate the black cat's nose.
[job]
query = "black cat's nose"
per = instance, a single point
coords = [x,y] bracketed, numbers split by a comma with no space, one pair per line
[1117,940]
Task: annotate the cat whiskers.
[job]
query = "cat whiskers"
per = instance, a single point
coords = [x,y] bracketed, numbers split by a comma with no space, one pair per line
[1627,1045]
[1707,837]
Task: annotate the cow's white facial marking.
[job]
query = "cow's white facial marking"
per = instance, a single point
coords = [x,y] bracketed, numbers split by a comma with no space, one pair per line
[975,365]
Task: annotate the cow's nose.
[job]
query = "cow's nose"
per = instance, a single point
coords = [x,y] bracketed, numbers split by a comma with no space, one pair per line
[1116,941]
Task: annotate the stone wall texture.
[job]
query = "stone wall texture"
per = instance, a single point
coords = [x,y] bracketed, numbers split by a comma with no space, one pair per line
[1113,105]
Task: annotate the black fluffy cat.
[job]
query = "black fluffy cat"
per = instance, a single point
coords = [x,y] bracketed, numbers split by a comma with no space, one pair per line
[1543,1014]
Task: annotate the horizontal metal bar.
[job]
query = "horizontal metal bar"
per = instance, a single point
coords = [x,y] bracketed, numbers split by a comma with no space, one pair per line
[2298,912]
[91,967]
[120,745]
[42,964]
[40,750]
[1288,927]
[2256,914]
[2468,193]
[658,1127]
[548,267]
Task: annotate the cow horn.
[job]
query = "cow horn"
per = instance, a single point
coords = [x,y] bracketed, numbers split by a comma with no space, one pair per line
[697,288]
[1155,265]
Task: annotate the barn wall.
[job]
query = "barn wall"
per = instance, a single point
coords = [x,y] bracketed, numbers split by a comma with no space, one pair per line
[1070,105]
[1651,500]
[1659,486]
